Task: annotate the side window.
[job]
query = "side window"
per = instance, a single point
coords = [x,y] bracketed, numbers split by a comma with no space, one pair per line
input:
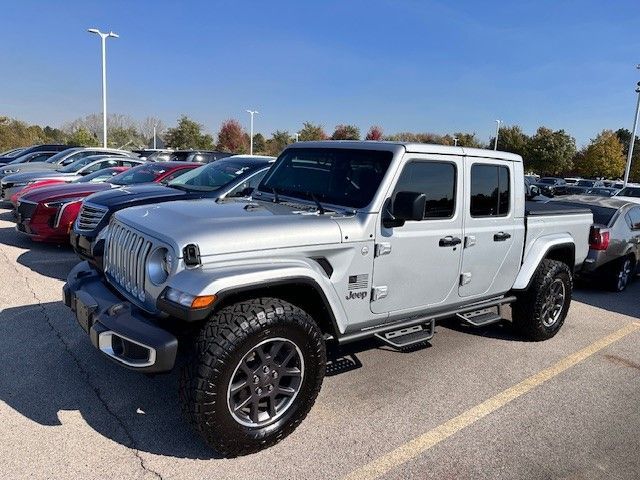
[634,218]
[126,163]
[198,157]
[489,191]
[437,180]
[40,157]
[100,165]
[251,182]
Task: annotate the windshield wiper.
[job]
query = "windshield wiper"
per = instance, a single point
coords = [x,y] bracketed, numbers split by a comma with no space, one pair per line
[318,204]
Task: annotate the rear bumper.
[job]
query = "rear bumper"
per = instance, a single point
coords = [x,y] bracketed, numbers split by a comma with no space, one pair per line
[116,327]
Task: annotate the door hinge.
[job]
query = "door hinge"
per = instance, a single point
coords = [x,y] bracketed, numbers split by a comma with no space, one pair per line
[469,241]
[378,293]
[383,249]
[465,278]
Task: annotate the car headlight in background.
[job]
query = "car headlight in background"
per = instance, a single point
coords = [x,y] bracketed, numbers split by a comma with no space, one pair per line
[160,265]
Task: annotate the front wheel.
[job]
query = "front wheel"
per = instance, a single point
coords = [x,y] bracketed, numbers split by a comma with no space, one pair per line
[539,312]
[256,371]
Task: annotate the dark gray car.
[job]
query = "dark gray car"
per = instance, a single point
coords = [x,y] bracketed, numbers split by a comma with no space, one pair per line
[614,241]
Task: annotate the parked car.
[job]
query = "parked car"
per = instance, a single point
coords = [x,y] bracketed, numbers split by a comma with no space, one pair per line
[12,184]
[551,186]
[96,177]
[32,157]
[629,191]
[341,241]
[601,191]
[154,155]
[47,214]
[533,192]
[200,156]
[230,177]
[582,185]
[614,240]
[62,159]
[15,153]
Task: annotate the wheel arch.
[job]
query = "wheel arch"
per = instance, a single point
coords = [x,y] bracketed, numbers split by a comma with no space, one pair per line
[302,292]
[561,248]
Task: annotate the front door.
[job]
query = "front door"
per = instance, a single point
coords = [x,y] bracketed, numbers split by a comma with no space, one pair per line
[492,242]
[417,265]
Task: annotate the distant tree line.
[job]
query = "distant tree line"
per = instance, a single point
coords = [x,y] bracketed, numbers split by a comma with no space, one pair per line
[546,152]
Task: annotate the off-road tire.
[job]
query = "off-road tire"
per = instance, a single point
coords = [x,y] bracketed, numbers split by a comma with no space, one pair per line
[527,311]
[221,344]
[620,273]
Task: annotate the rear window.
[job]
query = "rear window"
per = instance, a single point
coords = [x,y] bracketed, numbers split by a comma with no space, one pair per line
[630,192]
[549,181]
[141,174]
[586,183]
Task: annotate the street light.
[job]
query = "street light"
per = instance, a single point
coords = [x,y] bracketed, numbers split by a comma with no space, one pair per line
[455,141]
[252,113]
[627,169]
[495,143]
[297,137]
[104,37]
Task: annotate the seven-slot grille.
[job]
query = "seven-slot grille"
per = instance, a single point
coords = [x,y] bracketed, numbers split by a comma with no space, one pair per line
[126,253]
[90,216]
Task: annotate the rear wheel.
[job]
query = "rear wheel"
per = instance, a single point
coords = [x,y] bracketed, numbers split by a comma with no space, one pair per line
[539,312]
[620,274]
[257,369]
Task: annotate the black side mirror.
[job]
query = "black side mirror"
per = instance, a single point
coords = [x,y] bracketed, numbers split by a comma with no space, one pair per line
[406,206]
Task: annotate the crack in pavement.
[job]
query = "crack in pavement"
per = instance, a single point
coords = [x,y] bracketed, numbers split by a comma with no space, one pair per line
[96,390]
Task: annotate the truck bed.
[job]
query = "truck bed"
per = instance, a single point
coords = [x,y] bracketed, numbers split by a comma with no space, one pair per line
[533,209]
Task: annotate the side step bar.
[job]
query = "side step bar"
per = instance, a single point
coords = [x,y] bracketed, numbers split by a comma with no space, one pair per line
[405,337]
[482,317]
[419,320]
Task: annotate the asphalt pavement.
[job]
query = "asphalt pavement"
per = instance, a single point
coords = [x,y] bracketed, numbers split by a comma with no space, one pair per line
[474,403]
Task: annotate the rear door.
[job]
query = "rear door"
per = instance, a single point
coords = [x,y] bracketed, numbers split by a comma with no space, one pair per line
[492,242]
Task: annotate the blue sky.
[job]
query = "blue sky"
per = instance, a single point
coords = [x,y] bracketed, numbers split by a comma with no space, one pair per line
[405,65]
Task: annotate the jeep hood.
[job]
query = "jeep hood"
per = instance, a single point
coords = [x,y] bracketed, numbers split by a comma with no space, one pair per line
[231,226]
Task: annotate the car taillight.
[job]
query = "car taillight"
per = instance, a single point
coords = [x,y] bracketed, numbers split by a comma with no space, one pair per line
[599,238]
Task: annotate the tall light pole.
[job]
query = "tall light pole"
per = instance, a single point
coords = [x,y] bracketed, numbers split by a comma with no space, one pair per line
[252,113]
[455,141]
[104,37]
[297,137]
[495,143]
[627,169]
[154,135]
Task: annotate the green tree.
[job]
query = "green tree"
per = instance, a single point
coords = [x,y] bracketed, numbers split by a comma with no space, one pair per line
[346,132]
[83,138]
[188,134]
[311,132]
[550,152]
[278,141]
[259,143]
[232,137]
[603,157]
[469,140]
[512,139]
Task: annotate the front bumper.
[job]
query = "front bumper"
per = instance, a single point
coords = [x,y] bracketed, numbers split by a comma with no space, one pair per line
[117,328]
[87,248]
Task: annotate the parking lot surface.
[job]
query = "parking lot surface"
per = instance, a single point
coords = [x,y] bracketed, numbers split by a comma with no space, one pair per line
[474,403]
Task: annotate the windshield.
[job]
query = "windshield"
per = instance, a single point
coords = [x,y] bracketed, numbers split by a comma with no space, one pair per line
[630,192]
[337,176]
[100,175]
[212,176]
[586,183]
[548,181]
[78,164]
[140,174]
[60,155]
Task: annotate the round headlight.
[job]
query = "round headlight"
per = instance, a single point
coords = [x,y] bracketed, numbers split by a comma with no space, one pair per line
[159,265]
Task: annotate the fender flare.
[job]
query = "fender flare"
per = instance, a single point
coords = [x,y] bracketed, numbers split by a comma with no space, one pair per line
[538,251]
[240,277]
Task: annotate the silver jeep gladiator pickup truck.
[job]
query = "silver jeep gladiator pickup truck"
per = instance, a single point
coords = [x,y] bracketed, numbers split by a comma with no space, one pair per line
[341,241]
